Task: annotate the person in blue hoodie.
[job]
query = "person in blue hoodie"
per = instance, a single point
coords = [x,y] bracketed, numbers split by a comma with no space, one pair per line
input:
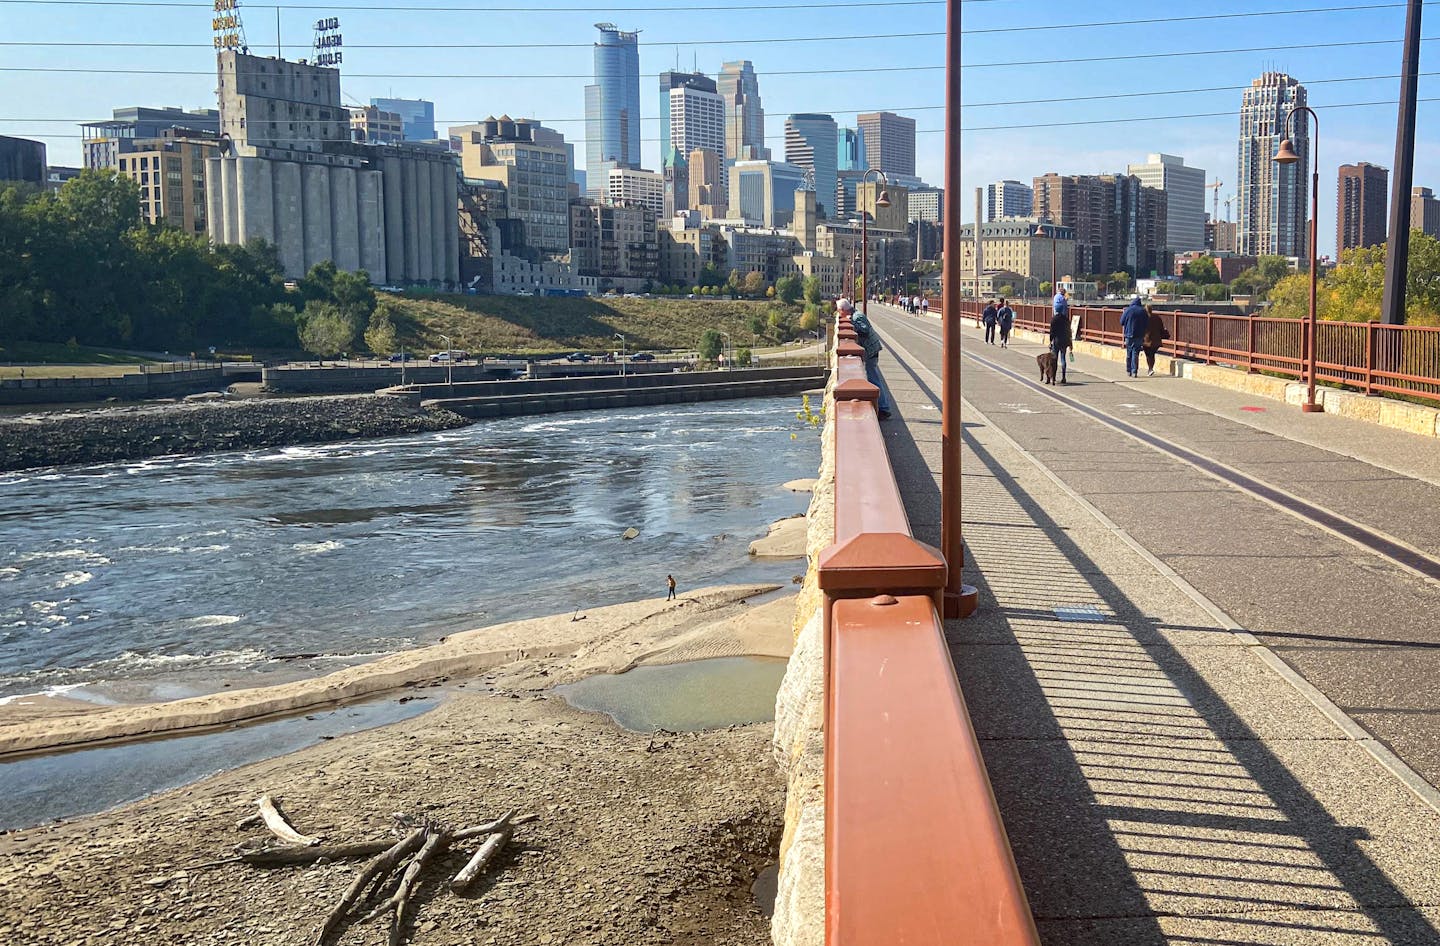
[870,341]
[1133,321]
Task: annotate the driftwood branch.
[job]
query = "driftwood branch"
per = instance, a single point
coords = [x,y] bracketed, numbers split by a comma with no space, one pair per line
[487,853]
[280,826]
[383,863]
[287,855]
[490,827]
[398,903]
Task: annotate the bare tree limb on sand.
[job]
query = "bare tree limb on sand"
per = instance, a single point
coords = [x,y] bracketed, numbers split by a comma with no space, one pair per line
[487,853]
[280,826]
[382,865]
[437,841]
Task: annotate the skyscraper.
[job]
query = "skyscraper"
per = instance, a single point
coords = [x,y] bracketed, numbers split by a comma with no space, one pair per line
[1007,199]
[1184,189]
[889,141]
[1118,223]
[1360,205]
[1272,197]
[744,115]
[692,114]
[1424,211]
[810,143]
[851,145]
[612,107]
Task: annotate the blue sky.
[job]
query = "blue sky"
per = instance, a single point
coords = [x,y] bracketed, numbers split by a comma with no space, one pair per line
[1000,67]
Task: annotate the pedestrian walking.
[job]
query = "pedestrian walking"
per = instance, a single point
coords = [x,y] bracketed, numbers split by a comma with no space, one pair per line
[1061,339]
[670,583]
[1134,321]
[988,318]
[1005,318]
[924,305]
[1155,335]
[870,341]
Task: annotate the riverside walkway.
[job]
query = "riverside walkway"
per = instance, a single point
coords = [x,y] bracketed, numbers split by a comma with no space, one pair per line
[1210,710]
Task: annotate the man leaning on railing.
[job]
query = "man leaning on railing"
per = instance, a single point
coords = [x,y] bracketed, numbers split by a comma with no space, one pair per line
[870,341]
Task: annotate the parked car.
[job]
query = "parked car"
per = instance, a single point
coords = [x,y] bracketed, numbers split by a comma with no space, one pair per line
[403,356]
[577,356]
[642,356]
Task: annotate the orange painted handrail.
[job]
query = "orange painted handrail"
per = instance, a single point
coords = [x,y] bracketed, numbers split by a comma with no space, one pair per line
[915,851]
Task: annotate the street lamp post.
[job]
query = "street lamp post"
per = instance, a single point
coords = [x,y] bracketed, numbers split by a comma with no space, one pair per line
[449,360]
[1287,155]
[729,352]
[881,202]
[622,353]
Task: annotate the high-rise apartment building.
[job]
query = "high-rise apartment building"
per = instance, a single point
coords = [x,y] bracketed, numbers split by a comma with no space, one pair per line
[170,171]
[1360,198]
[22,160]
[104,141]
[810,143]
[612,241]
[1220,236]
[371,124]
[1424,211]
[533,163]
[612,107]
[744,115]
[889,141]
[1118,223]
[1008,199]
[635,187]
[1184,189]
[417,117]
[1273,198]
[850,150]
[928,204]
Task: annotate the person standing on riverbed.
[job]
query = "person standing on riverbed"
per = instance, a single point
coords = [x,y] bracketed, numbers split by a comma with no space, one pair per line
[670,583]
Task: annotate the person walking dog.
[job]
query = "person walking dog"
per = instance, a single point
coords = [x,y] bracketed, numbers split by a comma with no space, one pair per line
[1134,321]
[1155,335]
[1060,337]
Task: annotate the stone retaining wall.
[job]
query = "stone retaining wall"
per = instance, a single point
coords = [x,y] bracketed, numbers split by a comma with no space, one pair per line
[127,387]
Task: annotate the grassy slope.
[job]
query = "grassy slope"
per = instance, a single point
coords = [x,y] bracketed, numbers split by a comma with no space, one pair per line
[544,325]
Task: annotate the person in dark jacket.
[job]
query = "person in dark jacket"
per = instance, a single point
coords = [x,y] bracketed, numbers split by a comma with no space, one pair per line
[1155,335]
[1060,338]
[988,317]
[1133,321]
[1005,318]
[870,341]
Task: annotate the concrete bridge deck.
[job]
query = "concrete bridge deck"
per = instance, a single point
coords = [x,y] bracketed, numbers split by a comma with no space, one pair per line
[1156,664]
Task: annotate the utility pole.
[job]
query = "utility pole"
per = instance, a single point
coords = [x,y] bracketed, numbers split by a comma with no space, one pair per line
[1397,248]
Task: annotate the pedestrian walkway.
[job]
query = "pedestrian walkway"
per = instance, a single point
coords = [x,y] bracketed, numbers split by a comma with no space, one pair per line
[1162,778]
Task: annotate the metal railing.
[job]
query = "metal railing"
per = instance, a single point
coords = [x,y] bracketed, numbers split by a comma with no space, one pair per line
[915,851]
[1370,357]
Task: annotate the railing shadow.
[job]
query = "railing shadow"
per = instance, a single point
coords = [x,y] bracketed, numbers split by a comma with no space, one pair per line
[1131,788]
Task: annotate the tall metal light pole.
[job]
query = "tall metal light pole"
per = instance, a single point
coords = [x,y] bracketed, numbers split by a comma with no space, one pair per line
[881,202]
[449,360]
[1397,248]
[622,353]
[1287,155]
[959,599]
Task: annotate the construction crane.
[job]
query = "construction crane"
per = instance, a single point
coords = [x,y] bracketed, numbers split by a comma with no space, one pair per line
[1215,198]
[1227,207]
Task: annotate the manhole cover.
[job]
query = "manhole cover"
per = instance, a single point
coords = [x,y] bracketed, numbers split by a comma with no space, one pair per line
[1086,612]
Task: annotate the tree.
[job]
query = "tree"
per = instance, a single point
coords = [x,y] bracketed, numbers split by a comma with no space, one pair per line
[770,292]
[326,330]
[380,334]
[810,320]
[1118,281]
[743,356]
[711,345]
[789,288]
[812,290]
[754,283]
[1046,288]
[1202,269]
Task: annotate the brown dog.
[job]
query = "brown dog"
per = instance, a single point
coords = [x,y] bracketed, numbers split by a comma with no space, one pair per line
[1046,361]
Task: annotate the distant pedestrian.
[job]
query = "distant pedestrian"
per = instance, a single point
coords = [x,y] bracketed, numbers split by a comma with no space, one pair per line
[988,318]
[1060,338]
[1005,318]
[1134,321]
[870,341]
[670,583]
[1155,335]
[924,305]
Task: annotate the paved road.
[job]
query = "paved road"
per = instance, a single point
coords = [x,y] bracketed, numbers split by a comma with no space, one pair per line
[1358,617]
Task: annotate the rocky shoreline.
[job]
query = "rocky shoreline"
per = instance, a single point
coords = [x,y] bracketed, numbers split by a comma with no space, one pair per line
[106,435]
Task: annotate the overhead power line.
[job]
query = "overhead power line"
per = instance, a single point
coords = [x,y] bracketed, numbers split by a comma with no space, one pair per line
[897,109]
[810,72]
[380,8]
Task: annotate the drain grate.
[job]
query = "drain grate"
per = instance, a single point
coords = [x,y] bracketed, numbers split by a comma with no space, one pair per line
[1084,612]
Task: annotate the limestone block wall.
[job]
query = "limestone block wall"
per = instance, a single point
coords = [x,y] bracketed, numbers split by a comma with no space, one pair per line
[799,740]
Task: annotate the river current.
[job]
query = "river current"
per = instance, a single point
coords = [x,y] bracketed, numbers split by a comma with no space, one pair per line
[158,578]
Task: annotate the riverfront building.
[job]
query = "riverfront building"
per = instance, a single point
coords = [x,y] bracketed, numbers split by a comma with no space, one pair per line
[612,107]
[104,141]
[170,171]
[1360,197]
[533,164]
[1273,198]
[370,124]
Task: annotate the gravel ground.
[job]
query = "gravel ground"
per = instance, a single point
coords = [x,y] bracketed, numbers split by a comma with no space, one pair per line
[130,433]
[641,838]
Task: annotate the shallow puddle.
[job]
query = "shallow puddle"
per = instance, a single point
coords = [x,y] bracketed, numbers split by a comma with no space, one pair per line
[685,697]
[41,788]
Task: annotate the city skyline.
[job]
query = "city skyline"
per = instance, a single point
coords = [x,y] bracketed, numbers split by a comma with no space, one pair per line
[794,78]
